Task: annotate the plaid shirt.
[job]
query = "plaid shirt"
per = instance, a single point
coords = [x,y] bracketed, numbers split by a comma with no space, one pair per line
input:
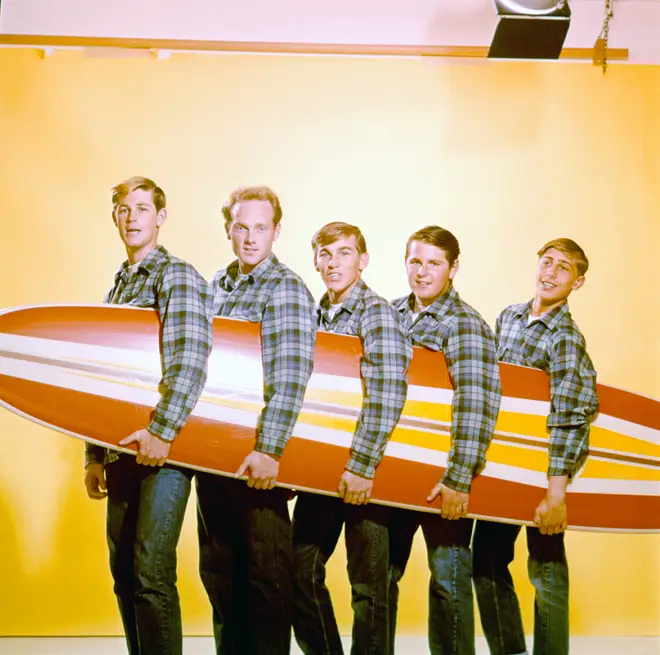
[554,344]
[384,366]
[180,295]
[454,328]
[276,297]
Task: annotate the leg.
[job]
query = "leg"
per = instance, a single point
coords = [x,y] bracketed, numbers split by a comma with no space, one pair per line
[548,572]
[164,496]
[123,499]
[219,551]
[451,605]
[317,523]
[403,526]
[268,588]
[493,550]
[368,550]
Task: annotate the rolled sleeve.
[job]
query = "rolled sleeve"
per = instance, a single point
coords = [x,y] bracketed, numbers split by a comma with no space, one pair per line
[386,356]
[288,335]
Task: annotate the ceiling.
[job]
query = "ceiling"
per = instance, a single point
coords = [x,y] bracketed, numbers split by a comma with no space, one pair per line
[636,24]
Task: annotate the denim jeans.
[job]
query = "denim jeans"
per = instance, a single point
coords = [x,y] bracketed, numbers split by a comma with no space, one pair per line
[317,524]
[245,563]
[493,549]
[451,604]
[145,513]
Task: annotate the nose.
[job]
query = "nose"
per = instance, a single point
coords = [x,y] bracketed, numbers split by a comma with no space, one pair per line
[249,237]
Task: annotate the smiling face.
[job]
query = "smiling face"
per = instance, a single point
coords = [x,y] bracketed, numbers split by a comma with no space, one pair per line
[429,272]
[340,264]
[556,276]
[252,232]
[138,222]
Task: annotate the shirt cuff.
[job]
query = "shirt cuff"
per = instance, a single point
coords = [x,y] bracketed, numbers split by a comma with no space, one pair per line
[458,478]
[163,429]
[94,454]
[274,448]
[361,465]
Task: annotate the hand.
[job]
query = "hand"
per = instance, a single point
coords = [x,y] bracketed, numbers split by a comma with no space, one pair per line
[454,503]
[95,481]
[263,470]
[152,451]
[551,516]
[354,489]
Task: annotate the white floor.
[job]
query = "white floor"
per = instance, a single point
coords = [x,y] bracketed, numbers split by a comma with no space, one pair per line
[405,646]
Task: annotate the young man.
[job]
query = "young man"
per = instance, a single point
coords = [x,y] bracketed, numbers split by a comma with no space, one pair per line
[541,334]
[146,497]
[350,307]
[244,529]
[438,319]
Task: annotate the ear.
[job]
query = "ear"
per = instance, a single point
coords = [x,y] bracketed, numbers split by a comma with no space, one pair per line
[114,217]
[578,283]
[453,270]
[161,218]
[276,234]
[364,261]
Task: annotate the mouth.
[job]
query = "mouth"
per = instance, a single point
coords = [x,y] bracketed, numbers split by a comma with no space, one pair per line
[334,276]
[548,285]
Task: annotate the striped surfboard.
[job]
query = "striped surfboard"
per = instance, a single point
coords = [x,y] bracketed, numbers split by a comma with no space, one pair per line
[92,372]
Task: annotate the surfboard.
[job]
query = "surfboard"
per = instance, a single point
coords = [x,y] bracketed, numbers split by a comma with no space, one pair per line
[92,372]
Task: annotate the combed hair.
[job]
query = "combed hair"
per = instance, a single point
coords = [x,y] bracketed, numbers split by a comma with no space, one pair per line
[334,231]
[571,250]
[243,194]
[438,237]
[121,190]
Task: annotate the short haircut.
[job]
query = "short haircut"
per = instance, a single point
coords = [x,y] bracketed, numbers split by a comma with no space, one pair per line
[571,250]
[438,237]
[244,194]
[334,231]
[121,190]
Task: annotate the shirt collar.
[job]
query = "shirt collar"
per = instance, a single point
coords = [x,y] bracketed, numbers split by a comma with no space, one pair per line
[552,319]
[438,308]
[148,264]
[351,303]
[232,272]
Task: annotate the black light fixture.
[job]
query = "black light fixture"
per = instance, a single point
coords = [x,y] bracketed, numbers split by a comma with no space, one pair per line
[530,29]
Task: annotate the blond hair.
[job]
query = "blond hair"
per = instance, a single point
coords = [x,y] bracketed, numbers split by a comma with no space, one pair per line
[121,190]
[571,250]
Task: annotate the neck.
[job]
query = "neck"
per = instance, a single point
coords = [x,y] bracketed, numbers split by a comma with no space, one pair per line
[336,297]
[539,306]
[244,268]
[136,255]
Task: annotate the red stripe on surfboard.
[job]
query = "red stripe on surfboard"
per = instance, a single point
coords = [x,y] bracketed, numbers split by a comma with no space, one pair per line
[335,354]
[222,447]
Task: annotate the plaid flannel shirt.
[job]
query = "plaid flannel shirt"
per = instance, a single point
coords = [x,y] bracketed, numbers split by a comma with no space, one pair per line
[180,296]
[383,367]
[554,344]
[276,297]
[454,328]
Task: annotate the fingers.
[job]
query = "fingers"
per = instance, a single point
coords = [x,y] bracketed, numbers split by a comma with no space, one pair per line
[242,468]
[435,492]
[342,488]
[131,438]
[356,496]
[95,486]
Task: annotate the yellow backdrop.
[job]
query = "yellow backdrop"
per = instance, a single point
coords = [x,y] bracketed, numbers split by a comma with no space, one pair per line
[506,155]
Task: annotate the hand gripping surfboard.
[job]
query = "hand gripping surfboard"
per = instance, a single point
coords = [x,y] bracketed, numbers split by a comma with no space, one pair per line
[92,372]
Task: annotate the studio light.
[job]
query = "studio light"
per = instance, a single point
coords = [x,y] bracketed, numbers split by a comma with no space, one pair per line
[530,29]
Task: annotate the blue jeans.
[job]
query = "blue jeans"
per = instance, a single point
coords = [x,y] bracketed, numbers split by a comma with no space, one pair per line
[317,524]
[145,513]
[493,549]
[245,563]
[451,604]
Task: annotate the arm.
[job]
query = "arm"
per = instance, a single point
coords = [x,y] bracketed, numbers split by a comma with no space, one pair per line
[472,363]
[288,335]
[387,354]
[573,405]
[186,341]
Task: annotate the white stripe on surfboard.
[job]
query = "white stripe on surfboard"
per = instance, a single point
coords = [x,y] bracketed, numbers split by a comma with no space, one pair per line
[245,373]
[147,397]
